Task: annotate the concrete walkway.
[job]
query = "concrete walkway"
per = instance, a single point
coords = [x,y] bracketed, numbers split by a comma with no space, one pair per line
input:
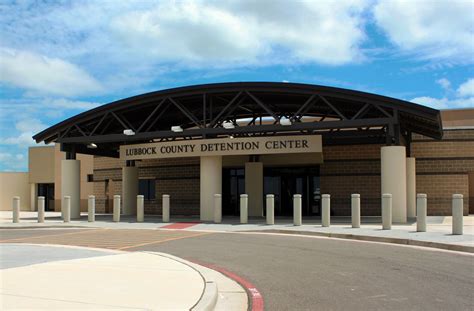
[64,278]
[438,229]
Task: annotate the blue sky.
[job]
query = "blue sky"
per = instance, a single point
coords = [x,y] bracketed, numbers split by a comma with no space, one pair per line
[59,58]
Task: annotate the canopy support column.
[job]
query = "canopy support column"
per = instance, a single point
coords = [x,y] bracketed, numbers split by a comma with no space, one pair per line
[210,184]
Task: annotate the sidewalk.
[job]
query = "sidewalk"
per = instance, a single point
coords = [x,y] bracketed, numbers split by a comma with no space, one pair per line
[438,229]
[64,278]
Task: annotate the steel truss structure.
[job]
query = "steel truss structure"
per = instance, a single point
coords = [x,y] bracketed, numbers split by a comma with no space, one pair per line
[341,116]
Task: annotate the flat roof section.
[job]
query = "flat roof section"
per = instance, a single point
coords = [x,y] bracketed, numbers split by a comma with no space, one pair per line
[458,118]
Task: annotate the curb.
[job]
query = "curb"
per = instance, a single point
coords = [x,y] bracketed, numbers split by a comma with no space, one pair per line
[209,296]
[255,298]
[402,241]
[208,299]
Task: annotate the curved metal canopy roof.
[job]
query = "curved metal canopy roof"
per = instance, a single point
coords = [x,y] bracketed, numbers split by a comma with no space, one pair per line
[340,115]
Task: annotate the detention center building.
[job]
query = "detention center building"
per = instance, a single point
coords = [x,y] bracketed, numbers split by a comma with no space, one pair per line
[260,138]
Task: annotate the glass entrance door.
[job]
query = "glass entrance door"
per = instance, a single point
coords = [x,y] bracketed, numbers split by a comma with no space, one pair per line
[233,185]
[285,182]
[47,191]
[282,182]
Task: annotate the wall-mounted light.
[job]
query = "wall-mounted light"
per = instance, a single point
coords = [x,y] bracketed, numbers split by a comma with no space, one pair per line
[128,132]
[177,129]
[285,121]
[92,146]
[228,125]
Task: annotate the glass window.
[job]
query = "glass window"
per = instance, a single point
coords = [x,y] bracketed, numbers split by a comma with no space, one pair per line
[146,187]
[233,185]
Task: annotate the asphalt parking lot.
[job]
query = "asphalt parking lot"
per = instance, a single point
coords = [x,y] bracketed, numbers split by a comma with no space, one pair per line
[302,273]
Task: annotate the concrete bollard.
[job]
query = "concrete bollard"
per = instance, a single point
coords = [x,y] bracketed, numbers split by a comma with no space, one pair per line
[244,210]
[67,209]
[326,210]
[217,208]
[458,214]
[270,208]
[16,209]
[421,212]
[116,208]
[40,209]
[386,211]
[355,210]
[140,208]
[91,208]
[297,219]
[166,208]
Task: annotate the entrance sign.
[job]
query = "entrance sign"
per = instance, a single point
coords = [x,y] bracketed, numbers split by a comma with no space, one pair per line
[223,147]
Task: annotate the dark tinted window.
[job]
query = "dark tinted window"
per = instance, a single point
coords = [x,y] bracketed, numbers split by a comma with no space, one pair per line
[146,187]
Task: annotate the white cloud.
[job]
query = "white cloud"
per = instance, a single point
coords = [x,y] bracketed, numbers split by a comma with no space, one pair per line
[463,98]
[430,29]
[30,125]
[445,83]
[138,34]
[4,156]
[13,162]
[43,74]
[437,103]
[24,139]
[26,128]
[21,118]
[34,104]
[245,32]
[467,88]
[444,103]
[63,103]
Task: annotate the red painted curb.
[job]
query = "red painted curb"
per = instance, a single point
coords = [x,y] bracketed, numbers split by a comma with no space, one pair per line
[257,298]
[180,225]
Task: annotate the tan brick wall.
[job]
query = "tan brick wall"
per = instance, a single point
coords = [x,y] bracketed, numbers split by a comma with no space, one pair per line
[439,189]
[352,169]
[442,168]
[104,162]
[445,149]
[448,135]
[351,152]
[341,188]
[177,177]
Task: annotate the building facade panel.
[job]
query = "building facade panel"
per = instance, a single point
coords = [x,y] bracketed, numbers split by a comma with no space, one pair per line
[14,184]
[443,167]
[352,152]
[445,149]
[342,186]
[448,134]
[177,177]
[440,188]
